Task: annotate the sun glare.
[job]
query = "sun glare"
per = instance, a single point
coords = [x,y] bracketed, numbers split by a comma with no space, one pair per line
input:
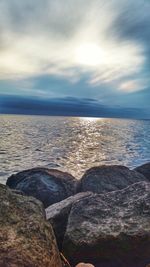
[90,119]
[88,54]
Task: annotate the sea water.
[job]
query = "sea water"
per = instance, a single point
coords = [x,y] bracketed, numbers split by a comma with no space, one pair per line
[70,144]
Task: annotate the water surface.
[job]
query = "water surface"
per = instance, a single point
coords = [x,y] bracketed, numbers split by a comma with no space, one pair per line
[70,144]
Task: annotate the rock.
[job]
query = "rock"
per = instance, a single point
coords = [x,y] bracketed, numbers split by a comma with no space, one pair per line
[57,214]
[108,178]
[145,170]
[111,229]
[47,185]
[17,192]
[26,239]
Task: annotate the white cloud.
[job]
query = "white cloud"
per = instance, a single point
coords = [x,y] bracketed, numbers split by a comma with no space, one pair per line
[43,37]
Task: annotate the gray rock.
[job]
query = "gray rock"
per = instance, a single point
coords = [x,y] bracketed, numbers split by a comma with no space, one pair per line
[108,178]
[47,185]
[57,214]
[145,170]
[26,239]
[111,230]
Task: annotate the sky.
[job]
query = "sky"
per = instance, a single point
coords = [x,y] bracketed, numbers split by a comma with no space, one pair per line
[75,57]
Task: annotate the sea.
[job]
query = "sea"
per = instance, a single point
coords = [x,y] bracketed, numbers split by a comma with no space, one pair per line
[70,144]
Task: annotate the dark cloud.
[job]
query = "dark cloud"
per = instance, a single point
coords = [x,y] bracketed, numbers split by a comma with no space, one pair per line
[133,20]
[132,23]
[65,107]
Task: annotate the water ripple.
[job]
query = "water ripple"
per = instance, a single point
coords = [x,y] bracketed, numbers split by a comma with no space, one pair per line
[70,144]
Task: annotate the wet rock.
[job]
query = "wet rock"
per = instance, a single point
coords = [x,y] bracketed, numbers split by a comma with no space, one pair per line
[57,214]
[108,178]
[111,229]
[26,239]
[47,185]
[145,170]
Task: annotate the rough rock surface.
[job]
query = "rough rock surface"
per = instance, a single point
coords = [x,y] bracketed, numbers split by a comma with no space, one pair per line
[111,230]
[26,239]
[145,170]
[47,185]
[108,178]
[57,214]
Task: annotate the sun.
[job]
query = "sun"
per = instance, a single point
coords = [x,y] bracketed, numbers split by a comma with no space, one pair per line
[89,54]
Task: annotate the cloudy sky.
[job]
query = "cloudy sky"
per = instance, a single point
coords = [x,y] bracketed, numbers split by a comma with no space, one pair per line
[94,53]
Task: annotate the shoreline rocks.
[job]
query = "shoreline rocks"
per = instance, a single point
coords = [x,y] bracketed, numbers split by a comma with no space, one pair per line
[144,170]
[103,219]
[26,238]
[105,179]
[110,229]
[57,214]
[47,185]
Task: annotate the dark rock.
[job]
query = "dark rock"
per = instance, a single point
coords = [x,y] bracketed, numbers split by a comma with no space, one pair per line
[47,185]
[26,239]
[111,229]
[145,170]
[108,178]
[57,214]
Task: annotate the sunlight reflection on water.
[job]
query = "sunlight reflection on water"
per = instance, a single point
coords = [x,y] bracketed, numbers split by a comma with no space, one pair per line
[70,144]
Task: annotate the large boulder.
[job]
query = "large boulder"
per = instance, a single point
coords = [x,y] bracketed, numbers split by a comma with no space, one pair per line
[108,178]
[26,238]
[47,185]
[57,214]
[145,170]
[111,229]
